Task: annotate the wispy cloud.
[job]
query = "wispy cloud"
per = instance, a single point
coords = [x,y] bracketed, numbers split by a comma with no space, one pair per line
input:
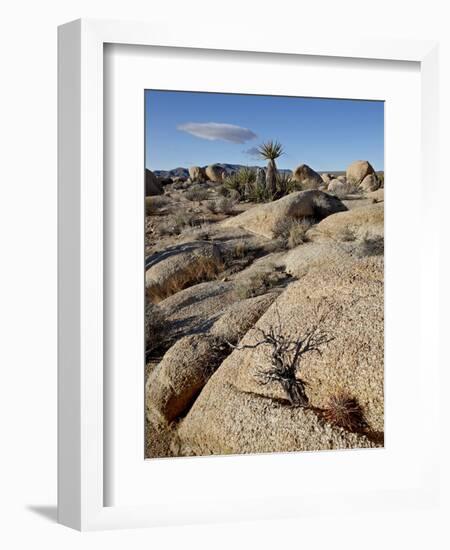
[216,130]
[253,152]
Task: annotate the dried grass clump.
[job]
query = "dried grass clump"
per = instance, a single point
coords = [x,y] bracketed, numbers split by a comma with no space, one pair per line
[344,411]
[202,269]
[293,232]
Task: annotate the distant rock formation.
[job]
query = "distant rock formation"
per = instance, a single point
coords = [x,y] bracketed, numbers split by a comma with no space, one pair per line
[152,185]
[307,177]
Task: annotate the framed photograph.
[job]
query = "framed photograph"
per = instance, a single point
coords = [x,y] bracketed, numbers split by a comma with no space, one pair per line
[236,338]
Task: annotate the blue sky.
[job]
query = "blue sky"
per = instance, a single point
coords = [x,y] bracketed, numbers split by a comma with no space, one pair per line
[193,128]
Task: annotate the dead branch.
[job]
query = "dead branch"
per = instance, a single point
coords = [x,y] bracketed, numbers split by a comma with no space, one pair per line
[286,354]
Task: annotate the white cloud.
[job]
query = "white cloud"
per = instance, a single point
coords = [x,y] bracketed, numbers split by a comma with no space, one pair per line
[253,152]
[216,130]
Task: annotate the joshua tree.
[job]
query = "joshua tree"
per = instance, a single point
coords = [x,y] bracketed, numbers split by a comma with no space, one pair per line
[270,151]
[286,355]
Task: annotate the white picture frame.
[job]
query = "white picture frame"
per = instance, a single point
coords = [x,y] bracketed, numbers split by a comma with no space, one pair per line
[82,484]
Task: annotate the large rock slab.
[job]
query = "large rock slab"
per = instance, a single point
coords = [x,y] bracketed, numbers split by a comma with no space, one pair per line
[175,268]
[236,413]
[307,177]
[265,219]
[195,309]
[175,382]
[224,420]
[351,225]
[310,256]
[240,317]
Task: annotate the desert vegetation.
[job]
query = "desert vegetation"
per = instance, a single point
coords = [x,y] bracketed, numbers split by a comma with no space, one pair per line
[264,308]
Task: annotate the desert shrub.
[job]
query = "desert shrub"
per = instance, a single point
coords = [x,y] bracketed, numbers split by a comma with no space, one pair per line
[371,246]
[286,354]
[154,204]
[176,224]
[285,184]
[347,234]
[344,411]
[212,207]
[380,176]
[240,249]
[222,191]
[196,193]
[240,181]
[292,232]
[155,326]
[224,205]
[251,188]
[257,192]
[297,233]
[255,285]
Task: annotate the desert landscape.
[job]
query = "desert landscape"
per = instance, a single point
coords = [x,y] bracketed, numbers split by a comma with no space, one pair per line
[264,314]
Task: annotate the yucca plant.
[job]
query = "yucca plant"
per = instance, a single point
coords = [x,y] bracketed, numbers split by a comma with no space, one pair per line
[285,184]
[241,181]
[270,151]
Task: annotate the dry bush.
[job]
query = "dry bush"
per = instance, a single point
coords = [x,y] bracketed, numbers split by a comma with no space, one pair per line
[154,204]
[175,225]
[292,232]
[240,249]
[347,234]
[370,246]
[196,194]
[344,411]
[224,205]
[297,233]
[203,269]
[222,191]
[255,285]
[286,353]
[155,326]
